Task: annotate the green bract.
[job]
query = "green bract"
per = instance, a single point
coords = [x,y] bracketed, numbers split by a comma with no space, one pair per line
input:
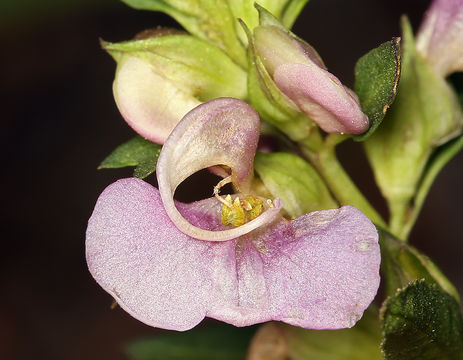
[210,20]
[402,263]
[285,10]
[192,65]
[426,114]
[422,322]
[292,179]
[138,152]
[217,20]
[376,77]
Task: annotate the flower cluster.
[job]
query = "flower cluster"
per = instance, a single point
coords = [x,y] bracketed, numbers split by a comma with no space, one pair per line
[287,245]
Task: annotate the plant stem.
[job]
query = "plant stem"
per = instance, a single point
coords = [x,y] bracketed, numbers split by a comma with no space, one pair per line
[340,184]
[399,210]
[442,156]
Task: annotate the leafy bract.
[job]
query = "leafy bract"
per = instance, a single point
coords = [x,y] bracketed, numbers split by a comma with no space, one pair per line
[402,264]
[210,20]
[376,78]
[295,181]
[191,64]
[422,322]
[138,152]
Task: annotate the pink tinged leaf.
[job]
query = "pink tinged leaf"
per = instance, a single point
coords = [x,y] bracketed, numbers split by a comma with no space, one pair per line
[151,104]
[440,38]
[320,271]
[322,97]
[224,131]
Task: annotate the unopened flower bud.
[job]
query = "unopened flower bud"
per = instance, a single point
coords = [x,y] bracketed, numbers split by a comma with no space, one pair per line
[300,74]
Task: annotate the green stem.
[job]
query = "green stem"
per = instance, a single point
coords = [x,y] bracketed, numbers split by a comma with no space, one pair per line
[398,208]
[440,158]
[340,184]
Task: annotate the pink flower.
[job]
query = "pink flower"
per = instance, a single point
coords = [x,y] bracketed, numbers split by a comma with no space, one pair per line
[171,264]
[149,103]
[440,38]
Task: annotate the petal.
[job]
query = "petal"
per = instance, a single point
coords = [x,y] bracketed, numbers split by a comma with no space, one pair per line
[322,97]
[223,131]
[137,88]
[276,46]
[440,38]
[155,272]
[319,271]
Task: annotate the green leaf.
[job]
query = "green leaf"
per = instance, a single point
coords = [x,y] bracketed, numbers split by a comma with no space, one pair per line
[295,181]
[223,342]
[402,264]
[138,152]
[376,78]
[422,322]
[358,343]
[210,20]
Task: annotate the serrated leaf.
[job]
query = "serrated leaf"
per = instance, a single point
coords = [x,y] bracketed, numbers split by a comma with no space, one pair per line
[138,152]
[295,181]
[376,78]
[223,342]
[422,322]
[402,264]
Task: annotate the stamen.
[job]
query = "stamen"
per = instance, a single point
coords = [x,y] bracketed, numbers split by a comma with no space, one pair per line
[221,184]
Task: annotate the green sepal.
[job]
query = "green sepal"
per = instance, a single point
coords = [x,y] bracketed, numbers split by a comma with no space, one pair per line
[295,181]
[285,10]
[376,78]
[210,20]
[138,152]
[402,264]
[194,66]
[223,342]
[422,322]
[358,343]
[272,105]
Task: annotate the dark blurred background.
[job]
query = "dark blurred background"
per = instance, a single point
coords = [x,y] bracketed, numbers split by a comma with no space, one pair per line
[60,121]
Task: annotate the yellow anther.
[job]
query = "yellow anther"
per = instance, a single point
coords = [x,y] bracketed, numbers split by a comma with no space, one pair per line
[257,207]
[237,212]
[233,214]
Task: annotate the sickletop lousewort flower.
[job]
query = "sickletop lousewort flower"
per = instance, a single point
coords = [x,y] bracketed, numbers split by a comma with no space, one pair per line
[171,264]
